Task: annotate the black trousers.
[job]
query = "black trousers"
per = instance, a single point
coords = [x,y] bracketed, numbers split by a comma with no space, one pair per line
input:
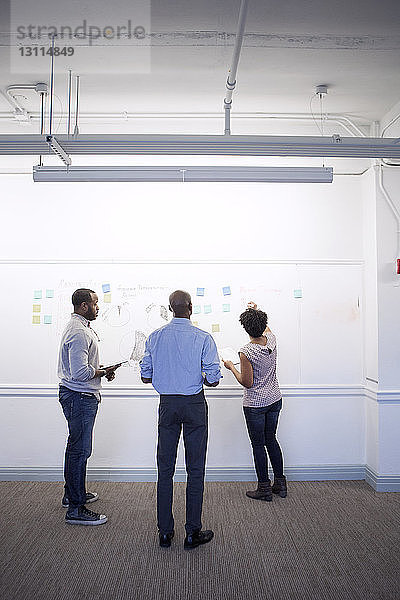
[190,413]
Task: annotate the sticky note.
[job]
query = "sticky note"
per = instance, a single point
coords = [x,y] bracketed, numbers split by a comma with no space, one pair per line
[107,298]
[37,294]
[49,293]
[195,323]
[215,327]
[106,288]
[200,291]
[197,309]
[36,320]
[226,290]
[298,293]
[226,308]
[36,308]
[207,309]
[47,319]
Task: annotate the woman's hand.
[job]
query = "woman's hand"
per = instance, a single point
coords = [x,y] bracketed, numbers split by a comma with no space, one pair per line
[228,364]
[252,305]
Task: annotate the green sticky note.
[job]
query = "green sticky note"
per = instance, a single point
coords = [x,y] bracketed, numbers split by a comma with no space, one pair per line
[36,308]
[37,294]
[47,319]
[298,293]
[207,309]
[49,293]
[226,308]
[196,309]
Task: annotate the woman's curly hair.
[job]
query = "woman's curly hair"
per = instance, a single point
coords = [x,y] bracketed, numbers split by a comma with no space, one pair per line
[254,322]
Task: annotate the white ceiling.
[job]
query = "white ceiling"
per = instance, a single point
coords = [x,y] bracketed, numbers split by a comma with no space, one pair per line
[290,46]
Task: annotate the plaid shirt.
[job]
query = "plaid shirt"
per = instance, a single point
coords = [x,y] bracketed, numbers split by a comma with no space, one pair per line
[265,389]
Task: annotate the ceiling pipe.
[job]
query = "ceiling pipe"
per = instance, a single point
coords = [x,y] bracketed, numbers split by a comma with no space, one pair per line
[348,125]
[231,81]
[391,205]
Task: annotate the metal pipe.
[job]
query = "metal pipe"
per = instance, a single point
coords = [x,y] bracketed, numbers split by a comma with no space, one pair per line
[76,128]
[42,96]
[69,100]
[51,86]
[392,207]
[231,80]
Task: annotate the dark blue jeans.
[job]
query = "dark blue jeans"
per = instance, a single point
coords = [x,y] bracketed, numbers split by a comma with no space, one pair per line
[261,425]
[80,411]
[191,414]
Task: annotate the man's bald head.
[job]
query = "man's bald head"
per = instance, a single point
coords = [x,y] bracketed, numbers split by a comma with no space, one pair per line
[180,304]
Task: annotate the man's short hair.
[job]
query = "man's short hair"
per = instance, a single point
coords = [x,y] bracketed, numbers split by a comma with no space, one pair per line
[81,295]
[179,301]
[254,321]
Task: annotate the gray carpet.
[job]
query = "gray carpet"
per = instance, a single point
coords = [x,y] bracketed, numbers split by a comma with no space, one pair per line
[327,540]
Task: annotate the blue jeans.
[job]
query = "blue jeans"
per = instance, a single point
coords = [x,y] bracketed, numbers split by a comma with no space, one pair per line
[261,425]
[189,413]
[80,409]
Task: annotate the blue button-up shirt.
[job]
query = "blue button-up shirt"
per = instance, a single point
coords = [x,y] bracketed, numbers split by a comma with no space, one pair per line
[177,356]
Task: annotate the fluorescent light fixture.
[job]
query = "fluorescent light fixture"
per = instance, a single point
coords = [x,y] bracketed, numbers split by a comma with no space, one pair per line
[185,174]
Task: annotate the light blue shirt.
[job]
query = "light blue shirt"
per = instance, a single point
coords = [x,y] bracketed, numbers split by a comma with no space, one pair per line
[177,356]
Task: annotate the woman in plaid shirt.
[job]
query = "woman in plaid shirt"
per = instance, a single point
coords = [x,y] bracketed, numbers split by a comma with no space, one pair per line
[262,401]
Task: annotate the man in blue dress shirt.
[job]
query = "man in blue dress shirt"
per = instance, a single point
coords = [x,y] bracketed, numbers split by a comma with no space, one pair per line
[178,360]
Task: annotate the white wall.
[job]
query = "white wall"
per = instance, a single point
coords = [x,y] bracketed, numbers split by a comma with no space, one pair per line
[323,425]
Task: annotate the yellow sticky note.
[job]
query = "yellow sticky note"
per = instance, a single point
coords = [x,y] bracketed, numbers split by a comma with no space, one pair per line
[107,298]
[35,319]
[215,327]
[36,308]
[195,323]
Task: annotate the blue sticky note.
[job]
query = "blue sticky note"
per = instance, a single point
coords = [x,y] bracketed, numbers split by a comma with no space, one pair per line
[47,319]
[197,309]
[37,294]
[226,308]
[49,293]
[226,290]
[200,291]
[298,293]
[207,309]
[106,288]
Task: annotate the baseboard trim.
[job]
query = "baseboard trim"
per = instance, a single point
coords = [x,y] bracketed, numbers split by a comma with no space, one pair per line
[382,483]
[245,473]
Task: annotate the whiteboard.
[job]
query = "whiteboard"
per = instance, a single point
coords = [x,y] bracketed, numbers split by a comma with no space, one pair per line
[314,310]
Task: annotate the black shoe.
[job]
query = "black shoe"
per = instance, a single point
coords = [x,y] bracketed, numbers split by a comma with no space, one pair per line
[90,497]
[84,516]
[263,491]
[197,538]
[280,487]
[165,539]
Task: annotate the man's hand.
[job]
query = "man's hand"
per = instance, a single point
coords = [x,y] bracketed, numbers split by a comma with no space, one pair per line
[110,374]
[208,384]
[252,305]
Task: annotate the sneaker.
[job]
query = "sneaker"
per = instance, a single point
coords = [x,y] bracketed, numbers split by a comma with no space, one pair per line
[90,497]
[84,516]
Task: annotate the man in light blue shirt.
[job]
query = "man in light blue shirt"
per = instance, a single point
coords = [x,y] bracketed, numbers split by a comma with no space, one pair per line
[178,360]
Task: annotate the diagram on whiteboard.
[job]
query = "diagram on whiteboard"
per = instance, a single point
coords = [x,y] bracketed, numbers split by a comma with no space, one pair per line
[133,302]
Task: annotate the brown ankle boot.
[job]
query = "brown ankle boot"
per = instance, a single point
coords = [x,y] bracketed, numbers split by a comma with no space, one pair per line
[280,487]
[263,491]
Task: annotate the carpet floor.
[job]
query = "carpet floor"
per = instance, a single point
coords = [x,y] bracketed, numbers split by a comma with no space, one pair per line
[333,540]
